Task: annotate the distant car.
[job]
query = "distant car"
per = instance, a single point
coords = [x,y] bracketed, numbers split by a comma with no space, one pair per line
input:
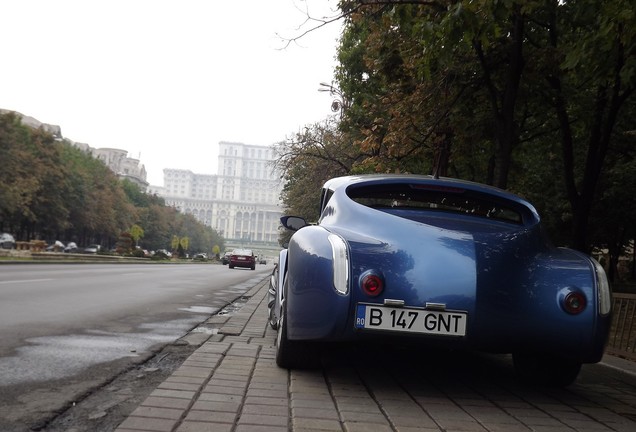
[57,246]
[242,258]
[92,249]
[163,253]
[71,247]
[262,260]
[201,256]
[225,259]
[7,241]
[442,264]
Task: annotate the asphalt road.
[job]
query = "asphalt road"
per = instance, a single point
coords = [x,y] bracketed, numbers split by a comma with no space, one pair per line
[68,328]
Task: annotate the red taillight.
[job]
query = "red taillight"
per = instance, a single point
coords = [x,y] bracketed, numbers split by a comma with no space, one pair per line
[574,303]
[372,285]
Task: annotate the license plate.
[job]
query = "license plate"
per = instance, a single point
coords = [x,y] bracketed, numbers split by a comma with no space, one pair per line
[241,258]
[411,320]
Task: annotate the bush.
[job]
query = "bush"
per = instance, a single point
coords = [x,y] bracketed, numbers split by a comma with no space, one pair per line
[138,253]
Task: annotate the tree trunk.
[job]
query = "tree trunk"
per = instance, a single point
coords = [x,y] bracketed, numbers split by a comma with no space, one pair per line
[504,104]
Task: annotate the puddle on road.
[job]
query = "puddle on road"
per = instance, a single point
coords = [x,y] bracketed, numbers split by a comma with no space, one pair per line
[200,309]
[206,330]
[54,357]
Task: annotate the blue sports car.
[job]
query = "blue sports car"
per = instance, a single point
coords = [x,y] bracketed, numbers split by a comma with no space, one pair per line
[444,263]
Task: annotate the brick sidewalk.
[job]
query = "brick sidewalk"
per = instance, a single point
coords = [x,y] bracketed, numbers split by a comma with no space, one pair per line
[231,383]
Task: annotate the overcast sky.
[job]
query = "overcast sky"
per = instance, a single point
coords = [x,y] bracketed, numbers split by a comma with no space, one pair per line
[167,80]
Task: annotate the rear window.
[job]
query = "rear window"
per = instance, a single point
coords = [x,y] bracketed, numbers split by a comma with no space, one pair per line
[242,252]
[419,197]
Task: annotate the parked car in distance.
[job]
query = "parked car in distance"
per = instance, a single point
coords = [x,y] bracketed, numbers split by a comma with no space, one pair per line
[7,241]
[201,256]
[225,259]
[163,253]
[92,249]
[71,247]
[56,246]
[440,263]
[242,258]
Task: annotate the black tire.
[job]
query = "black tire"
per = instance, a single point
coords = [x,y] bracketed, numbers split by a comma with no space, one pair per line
[287,352]
[231,266]
[545,370]
[253,267]
[273,322]
[294,354]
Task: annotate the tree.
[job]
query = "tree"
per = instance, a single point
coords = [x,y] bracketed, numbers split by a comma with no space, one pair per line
[136,232]
[175,243]
[53,190]
[468,87]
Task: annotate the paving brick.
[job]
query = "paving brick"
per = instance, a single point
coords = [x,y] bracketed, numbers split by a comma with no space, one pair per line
[232,383]
[211,416]
[259,400]
[190,426]
[260,428]
[320,424]
[161,413]
[148,424]
[262,419]
[170,385]
[217,382]
[366,427]
[196,372]
[162,402]
[220,397]
[216,406]
[330,414]
[277,410]
[179,394]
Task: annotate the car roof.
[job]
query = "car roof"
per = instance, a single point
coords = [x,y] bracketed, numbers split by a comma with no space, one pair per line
[338,182]
[242,251]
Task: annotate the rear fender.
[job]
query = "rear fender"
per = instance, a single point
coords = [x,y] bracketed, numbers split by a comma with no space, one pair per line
[315,308]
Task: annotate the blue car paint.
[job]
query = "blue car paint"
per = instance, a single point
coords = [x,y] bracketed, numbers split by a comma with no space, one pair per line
[506,277]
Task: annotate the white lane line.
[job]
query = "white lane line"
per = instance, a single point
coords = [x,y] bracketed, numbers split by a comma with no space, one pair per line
[25,281]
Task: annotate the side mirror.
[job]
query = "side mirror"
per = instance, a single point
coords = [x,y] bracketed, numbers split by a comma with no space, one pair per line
[293,223]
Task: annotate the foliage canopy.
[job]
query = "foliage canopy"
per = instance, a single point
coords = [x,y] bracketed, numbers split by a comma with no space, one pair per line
[52,190]
[533,96]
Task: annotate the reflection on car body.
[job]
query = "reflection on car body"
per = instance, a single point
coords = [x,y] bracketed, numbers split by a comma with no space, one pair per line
[441,263]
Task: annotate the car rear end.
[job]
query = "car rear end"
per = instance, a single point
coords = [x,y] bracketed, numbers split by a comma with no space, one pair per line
[242,258]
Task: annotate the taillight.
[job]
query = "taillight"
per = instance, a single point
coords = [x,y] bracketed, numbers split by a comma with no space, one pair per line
[574,302]
[603,289]
[371,284]
[340,262]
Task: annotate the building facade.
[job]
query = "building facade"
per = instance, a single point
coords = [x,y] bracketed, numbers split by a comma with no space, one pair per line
[119,163]
[241,202]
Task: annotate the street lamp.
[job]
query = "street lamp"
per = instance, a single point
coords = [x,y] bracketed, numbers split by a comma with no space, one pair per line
[339,103]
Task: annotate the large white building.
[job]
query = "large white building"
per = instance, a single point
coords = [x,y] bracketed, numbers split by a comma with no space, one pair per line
[119,162]
[241,202]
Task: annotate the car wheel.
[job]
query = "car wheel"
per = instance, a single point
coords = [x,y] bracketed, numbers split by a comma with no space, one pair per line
[293,354]
[253,267]
[545,370]
[231,266]
[273,322]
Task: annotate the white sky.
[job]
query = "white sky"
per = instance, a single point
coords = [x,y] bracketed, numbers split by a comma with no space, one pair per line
[167,80]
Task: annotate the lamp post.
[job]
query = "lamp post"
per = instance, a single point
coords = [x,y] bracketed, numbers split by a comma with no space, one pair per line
[339,103]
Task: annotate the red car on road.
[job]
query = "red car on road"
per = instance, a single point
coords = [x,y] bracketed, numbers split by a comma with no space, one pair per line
[242,258]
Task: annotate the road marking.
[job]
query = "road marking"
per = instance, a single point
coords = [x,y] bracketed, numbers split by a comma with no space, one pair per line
[25,281]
